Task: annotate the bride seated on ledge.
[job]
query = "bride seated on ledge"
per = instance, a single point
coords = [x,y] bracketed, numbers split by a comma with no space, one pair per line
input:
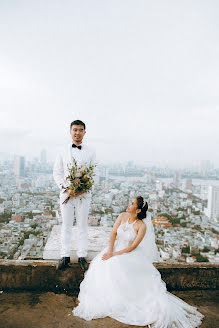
[122,282]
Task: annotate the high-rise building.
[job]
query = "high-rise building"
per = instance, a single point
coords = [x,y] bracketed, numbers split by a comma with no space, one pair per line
[177,179]
[206,166]
[19,166]
[188,184]
[130,163]
[213,203]
[159,186]
[43,156]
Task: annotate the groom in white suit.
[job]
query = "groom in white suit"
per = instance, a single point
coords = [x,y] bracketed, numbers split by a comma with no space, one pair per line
[82,153]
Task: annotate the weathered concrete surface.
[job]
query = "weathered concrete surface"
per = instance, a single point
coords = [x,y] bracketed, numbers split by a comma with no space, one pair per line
[98,238]
[43,276]
[50,310]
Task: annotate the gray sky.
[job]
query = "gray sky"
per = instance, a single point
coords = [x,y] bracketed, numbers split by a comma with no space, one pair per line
[143,75]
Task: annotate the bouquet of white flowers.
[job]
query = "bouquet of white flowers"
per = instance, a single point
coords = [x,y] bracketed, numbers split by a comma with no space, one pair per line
[80,178]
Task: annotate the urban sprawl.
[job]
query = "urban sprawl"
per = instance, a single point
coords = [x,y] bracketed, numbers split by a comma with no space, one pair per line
[183,204]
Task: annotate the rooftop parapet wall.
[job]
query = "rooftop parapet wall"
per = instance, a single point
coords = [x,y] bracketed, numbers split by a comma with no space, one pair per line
[43,276]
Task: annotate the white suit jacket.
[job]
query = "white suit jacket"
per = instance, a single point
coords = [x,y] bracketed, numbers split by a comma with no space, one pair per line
[60,170]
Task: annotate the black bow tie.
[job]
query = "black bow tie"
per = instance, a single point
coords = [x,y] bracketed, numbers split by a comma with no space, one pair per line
[74,146]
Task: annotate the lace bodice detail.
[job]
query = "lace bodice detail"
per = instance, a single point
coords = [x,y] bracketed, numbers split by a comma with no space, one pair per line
[125,235]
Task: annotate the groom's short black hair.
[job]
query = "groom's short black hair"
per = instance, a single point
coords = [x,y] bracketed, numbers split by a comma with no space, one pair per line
[78,122]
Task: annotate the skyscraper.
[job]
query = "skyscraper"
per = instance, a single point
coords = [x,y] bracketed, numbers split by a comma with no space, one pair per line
[213,203]
[19,166]
[43,156]
[176,179]
[188,184]
[206,166]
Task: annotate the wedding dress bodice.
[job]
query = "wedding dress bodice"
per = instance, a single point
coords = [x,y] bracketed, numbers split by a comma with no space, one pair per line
[125,235]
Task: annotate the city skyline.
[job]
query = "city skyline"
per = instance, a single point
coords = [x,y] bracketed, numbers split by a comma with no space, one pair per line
[202,166]
[185,213]
[143,76]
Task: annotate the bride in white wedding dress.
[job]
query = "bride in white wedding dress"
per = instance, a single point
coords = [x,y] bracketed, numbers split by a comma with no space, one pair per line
[122,282]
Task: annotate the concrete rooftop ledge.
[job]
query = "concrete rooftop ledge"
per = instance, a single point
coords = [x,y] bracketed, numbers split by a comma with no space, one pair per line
[41,275]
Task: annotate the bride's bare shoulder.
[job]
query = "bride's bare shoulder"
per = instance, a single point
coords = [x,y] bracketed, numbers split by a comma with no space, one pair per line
[120,219]
[123,216]
[141,223]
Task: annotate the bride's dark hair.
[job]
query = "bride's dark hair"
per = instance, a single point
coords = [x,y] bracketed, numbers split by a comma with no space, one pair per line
[140,202]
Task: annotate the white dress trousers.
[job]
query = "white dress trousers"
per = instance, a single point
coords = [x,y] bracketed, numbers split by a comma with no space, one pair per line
[79,209]
[75,206]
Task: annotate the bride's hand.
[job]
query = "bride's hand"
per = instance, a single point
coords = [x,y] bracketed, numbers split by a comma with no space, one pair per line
[107,256]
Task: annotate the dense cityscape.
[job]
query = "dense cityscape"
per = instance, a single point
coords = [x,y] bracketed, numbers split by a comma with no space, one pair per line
[183,204]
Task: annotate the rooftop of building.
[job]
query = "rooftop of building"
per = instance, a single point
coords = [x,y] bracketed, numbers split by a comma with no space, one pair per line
[54,310]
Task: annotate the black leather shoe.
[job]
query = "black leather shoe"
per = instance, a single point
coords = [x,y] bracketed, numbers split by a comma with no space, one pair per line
[63,263]
[83,263]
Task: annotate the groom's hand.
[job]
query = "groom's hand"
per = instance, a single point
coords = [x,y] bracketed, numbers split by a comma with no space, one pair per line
[79,193]
[73,194]
[107,256]
[70,192]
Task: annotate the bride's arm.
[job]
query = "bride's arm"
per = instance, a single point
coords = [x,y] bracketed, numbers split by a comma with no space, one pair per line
[112,238]
[136,242]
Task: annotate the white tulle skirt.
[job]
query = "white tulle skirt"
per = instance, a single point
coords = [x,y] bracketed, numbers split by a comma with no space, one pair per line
[129,289]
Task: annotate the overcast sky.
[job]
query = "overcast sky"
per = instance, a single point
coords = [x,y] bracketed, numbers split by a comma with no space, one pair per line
[143,75]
